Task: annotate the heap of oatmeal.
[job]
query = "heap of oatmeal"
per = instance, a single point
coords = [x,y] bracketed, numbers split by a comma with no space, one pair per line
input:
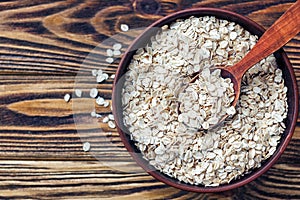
[155,89]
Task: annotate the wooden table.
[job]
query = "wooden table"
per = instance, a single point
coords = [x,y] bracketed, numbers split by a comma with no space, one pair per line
[42,47]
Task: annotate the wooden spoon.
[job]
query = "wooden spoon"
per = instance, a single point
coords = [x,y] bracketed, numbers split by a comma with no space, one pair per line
[282,31]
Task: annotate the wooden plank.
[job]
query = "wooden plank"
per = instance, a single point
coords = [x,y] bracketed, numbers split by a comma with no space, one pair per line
[56,37]
[35,119]
[59,145]
[87,179]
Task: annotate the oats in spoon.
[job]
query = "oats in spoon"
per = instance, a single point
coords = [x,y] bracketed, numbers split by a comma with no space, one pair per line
[204,102]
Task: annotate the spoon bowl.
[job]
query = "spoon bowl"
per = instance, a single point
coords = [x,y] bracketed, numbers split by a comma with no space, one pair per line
[227,73]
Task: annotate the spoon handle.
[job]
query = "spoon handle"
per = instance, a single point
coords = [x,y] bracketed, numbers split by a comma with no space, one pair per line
[282,31]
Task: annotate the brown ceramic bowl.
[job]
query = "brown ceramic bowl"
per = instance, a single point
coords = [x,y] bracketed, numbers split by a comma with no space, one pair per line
[253,28]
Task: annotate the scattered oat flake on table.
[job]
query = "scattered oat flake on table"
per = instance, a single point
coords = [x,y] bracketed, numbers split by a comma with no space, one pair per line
[109,52]
[111,117]
[93,114]
[106,104]
[86,146]
[99,72]
[101,78]
[78,92]
[94,72]
[105,119]
[112,76]
[111,124]
[124,27]
[94,92]
[109,60]
[105,76]
[67,97]
[100,101]
[117,46]
[117,52]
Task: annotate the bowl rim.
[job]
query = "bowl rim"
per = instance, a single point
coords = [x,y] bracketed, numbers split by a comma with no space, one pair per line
[246,23]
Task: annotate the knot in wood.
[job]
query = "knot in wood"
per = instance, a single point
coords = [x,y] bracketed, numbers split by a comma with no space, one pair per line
[147,6]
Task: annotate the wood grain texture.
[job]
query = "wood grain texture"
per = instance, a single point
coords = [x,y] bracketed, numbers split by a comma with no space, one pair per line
[45,51]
